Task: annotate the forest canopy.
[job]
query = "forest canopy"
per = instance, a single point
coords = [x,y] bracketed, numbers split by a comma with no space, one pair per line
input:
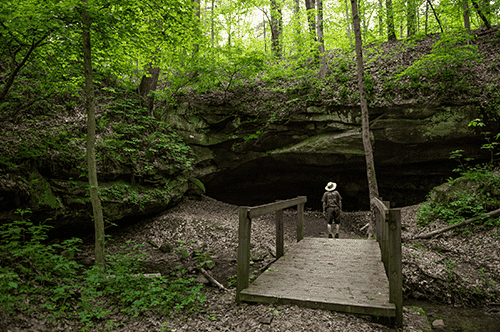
[205,44]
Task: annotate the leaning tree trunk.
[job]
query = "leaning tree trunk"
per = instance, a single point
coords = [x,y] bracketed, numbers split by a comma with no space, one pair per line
[436,15]
[89,92]
[370,164]
[481,14]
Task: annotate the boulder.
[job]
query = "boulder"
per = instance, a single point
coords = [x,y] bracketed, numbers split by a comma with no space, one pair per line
[438,324]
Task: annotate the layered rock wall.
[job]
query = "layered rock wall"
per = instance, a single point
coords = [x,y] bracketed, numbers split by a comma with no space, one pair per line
[247,161]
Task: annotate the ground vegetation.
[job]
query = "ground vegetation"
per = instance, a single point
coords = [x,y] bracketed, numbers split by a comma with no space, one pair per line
[153,280]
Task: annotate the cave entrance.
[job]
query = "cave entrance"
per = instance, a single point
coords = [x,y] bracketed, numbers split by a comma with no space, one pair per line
[261,182]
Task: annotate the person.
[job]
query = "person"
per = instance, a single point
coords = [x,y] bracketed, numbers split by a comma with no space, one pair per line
[332,208]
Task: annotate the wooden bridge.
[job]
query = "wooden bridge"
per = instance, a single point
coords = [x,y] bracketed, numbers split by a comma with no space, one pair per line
[347,275]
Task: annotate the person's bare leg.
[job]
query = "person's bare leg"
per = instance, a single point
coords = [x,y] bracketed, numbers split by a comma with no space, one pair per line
[337,228]
[329,229]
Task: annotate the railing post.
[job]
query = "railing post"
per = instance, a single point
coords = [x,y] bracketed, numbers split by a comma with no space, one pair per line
[395,273]
[385,242]
[300,222]
[243,252]
[280,234]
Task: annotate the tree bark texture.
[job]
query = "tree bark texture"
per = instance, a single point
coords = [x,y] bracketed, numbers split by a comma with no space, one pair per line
[310,5]
[148,85]
[391,32]
[481,14]
[465,7]
[370,164]
[380,18]
[16,67]
[197,10]
[348,21]
[411,17]
[296,15]
[90,103]
[435,15]
[321,39]
[276,28]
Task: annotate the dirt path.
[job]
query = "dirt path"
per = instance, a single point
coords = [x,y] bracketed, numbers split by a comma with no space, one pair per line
[211,227]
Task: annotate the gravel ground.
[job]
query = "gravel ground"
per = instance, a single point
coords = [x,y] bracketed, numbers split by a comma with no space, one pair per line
[204,224]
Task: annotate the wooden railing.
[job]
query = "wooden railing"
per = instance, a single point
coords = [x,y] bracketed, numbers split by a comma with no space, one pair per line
[388,230]
[246,215]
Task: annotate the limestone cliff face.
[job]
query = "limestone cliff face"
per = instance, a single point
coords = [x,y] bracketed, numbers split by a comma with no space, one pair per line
[275,139]
[248,161]
[143,168]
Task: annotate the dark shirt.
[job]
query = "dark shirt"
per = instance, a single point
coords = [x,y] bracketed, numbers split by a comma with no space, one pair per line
[337,198]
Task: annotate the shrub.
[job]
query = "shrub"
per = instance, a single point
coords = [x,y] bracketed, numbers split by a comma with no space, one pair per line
[471,195]
[38,276]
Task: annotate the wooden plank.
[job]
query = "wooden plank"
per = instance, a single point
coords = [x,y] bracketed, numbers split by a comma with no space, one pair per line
[351,308]
[395,272]
[300,222]
[280,234]
[341,275]
[243,268]
[257,211]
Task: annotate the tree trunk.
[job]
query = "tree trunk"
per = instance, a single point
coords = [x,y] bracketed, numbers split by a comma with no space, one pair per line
[276,28]
[212,32]
[17,67]
[370,164]
[148,85]
[435,15]
[465,7]
[296,14]
[486,10]
[463,223]
[391,32]
[426,17]
[481,14]
[264,25]
[197,10]
[411,18]
[380,18]
[348,23]
[321,46]
[310,4]
[89,93]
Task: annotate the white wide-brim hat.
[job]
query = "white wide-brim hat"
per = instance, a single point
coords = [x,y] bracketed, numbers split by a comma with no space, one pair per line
[331,186]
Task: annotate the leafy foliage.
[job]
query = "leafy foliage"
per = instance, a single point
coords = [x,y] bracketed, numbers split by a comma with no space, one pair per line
[448,57]
[133,138]
[40,276]
[471,195]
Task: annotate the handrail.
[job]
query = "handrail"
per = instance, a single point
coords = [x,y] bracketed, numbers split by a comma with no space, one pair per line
[246,214]
[388,230]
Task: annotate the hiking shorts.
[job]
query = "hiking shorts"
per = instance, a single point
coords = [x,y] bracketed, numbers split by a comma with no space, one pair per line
[333,215]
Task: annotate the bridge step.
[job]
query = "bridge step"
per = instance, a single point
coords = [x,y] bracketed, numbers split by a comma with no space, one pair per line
[345,275]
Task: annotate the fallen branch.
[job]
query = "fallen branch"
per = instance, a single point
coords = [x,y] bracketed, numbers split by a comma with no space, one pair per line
[463,223]
[212,279]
